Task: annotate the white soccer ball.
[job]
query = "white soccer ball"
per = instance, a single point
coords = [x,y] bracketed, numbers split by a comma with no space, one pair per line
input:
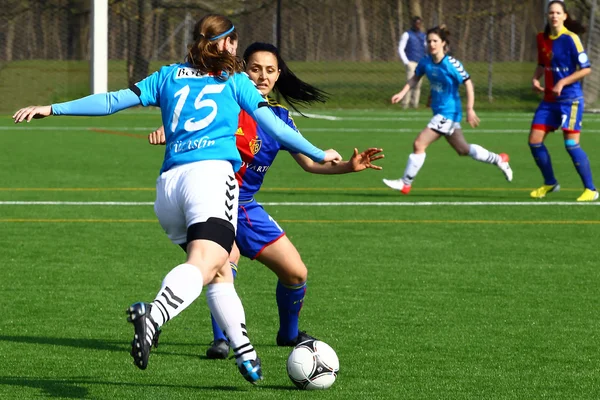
[313,364]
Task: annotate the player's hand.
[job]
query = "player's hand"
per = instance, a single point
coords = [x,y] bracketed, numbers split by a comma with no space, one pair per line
[28,113]
[361,161]
[397,98]
[537,87]
[557,89]
[157,137]
[332,156]
[472,118]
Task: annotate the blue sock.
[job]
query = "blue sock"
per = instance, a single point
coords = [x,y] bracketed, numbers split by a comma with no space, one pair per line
[582,165]
[543,161]
[289,303]
[217,332]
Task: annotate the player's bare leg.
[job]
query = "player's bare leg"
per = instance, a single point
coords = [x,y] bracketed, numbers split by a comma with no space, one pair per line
[458,143]
[415,161]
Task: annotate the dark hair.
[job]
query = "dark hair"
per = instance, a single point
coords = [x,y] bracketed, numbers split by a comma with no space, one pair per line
[204,53]
[444,34]
[415,19]
[574,26]
[289,86]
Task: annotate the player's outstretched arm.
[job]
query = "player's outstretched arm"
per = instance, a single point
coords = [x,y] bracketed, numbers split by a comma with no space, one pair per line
[28,113]
[290,138]
[94,105]
[412,82]
[358,162]
[472,118]
[157,137]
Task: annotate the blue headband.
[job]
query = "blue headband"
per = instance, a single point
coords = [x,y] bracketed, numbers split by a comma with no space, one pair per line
[223,34]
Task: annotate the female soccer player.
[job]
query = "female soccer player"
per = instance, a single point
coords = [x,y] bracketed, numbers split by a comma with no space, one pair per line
[259,236]
[563,62]
[197,193]
[445,75]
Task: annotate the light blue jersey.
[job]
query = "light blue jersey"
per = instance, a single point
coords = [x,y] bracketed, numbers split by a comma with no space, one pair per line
[199,112]
[445,78]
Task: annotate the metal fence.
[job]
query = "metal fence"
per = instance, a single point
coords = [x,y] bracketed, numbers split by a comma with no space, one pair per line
[346,47]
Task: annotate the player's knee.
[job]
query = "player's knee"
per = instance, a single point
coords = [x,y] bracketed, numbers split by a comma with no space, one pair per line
[419,146]
[294,276]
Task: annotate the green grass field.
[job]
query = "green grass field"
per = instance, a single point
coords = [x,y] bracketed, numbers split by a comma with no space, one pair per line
[351,84]
[465,289]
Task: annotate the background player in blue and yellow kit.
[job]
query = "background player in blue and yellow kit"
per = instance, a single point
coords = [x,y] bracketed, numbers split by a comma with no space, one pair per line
[259,236]
[563,63]
[196,192]
[445,75]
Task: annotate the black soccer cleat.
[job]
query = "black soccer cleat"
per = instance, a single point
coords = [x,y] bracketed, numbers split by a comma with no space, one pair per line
[146,333]
[251,370]
[302,337]
[218,350]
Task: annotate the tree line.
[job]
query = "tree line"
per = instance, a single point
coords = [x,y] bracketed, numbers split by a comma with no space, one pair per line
[311,30]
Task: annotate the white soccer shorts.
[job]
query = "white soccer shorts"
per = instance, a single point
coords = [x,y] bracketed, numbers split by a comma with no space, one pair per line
[443,125]
[193,193]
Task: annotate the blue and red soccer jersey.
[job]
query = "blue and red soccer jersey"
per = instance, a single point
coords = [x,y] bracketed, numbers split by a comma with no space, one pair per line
[256,228]
[560,56]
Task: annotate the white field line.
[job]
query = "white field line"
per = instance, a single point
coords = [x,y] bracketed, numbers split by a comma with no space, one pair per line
[341,130]
[318,204]
[317,116]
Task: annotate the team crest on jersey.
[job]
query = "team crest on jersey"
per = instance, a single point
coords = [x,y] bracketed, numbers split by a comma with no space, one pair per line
[255,145]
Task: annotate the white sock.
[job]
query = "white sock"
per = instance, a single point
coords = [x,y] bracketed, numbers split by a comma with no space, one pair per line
[179,289]
[226,306]
[480,154]
[414,164]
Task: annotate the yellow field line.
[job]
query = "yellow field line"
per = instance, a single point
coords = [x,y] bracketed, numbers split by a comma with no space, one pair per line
[315,221]
[351,189]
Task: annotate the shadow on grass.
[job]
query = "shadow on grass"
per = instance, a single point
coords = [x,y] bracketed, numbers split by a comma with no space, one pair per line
[95,344]
[73,388]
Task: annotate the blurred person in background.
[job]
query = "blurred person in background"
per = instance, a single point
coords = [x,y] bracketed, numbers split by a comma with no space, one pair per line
[411,49]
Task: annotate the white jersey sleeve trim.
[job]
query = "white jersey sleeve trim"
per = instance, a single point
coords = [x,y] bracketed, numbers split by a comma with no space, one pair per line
[461,70]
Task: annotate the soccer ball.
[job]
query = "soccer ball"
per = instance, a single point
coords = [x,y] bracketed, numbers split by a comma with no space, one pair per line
[313,364]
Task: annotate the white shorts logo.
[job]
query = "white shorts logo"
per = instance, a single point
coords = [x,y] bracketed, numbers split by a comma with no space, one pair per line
[443,125]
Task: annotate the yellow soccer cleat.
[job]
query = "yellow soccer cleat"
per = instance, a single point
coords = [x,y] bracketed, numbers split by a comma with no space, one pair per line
[540,192]
[588,195]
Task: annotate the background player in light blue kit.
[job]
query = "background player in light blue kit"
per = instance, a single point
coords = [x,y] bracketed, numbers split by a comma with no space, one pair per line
[196,192]
[563,63]
[445,75]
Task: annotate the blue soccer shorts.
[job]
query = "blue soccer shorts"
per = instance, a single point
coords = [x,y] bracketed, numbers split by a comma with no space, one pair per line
[566,115]
[256,229]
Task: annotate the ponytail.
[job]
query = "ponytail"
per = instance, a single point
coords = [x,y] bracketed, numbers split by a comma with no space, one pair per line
[204,53]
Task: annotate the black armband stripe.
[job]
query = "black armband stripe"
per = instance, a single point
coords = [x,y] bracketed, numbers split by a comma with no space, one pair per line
[136,90]
[263,104]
